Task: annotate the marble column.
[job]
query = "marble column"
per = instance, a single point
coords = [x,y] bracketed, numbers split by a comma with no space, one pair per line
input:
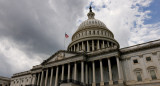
[83,46]
[82,72]
[56,80]
[86,74]
[51,78]
[75,71]
[88,48]
[46,77]
[68,77]
[98,46]
[110,72]
[94,78]
[101,71]
[38,79]
[71,48]
[34,79]
[74,48]
[103,45]
[108,44]
[111,44]
[42,75]
[62,77]
[119,73]
[92,45]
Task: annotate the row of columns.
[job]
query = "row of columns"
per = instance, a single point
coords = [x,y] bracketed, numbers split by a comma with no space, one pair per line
[82,74]
[110,72]
[82,47]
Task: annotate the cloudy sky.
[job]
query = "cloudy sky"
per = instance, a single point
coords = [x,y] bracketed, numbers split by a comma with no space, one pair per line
[33,30]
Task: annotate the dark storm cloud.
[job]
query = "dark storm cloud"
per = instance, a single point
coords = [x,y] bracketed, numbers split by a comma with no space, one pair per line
[34,23]
[39,25]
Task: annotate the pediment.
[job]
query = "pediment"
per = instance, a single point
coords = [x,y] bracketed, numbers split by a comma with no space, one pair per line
[60,55]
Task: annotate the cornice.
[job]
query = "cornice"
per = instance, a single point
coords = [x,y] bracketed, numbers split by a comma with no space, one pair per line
[21,74]
[5,78]
[102,55]
[139,47]
[71,52]
[65,61]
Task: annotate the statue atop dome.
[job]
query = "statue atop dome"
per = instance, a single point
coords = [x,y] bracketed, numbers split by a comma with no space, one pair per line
[90,14]
[90,8]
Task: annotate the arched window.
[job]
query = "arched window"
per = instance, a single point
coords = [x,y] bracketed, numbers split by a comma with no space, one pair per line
[138,73]
[152,71]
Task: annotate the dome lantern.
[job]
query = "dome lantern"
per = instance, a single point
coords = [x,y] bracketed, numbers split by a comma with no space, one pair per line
[90,14]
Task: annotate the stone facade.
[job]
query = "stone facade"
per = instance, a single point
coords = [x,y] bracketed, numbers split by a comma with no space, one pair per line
[94,58]
[4,81]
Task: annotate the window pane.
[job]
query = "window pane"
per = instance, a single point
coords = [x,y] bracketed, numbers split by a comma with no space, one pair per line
[139,78]
[148,58]
[153,74]
[135,61]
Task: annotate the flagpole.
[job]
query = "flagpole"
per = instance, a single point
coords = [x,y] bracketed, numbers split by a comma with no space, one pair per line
[64,40]
[64,43]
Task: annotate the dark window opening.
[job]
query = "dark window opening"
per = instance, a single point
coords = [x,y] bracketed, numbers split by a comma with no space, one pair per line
[89,32]
[139,77]
[93,32]
[148,58]
[153,74]
[135,61]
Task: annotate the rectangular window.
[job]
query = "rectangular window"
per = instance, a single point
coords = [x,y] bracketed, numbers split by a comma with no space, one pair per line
[148,58]
[135,61]
[153,74]
[139,77]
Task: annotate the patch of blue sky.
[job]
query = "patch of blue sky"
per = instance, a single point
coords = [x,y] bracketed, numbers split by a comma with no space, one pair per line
[103,6]
[155,12]
[95,8]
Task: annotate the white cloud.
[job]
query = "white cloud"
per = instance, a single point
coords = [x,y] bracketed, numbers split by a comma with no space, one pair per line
[124,18]
[16,59]
[146,33]
[30,34]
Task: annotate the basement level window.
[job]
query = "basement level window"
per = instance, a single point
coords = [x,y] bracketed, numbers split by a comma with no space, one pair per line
[135,61]
[148,58]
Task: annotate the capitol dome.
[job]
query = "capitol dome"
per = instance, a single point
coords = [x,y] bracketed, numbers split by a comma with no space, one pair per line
[92,35]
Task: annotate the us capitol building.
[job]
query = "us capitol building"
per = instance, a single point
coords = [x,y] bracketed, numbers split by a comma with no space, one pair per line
[94,58]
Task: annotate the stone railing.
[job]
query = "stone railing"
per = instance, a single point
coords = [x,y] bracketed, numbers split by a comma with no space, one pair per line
[31,85]
[71,81]
[83,84]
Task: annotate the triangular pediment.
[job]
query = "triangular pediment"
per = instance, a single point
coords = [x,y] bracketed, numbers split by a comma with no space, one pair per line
[59,56]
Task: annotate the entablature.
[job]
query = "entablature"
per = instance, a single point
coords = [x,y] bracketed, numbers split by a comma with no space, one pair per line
[140,53]
[104,55]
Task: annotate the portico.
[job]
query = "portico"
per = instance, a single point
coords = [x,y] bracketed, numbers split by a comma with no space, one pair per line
[76,72]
